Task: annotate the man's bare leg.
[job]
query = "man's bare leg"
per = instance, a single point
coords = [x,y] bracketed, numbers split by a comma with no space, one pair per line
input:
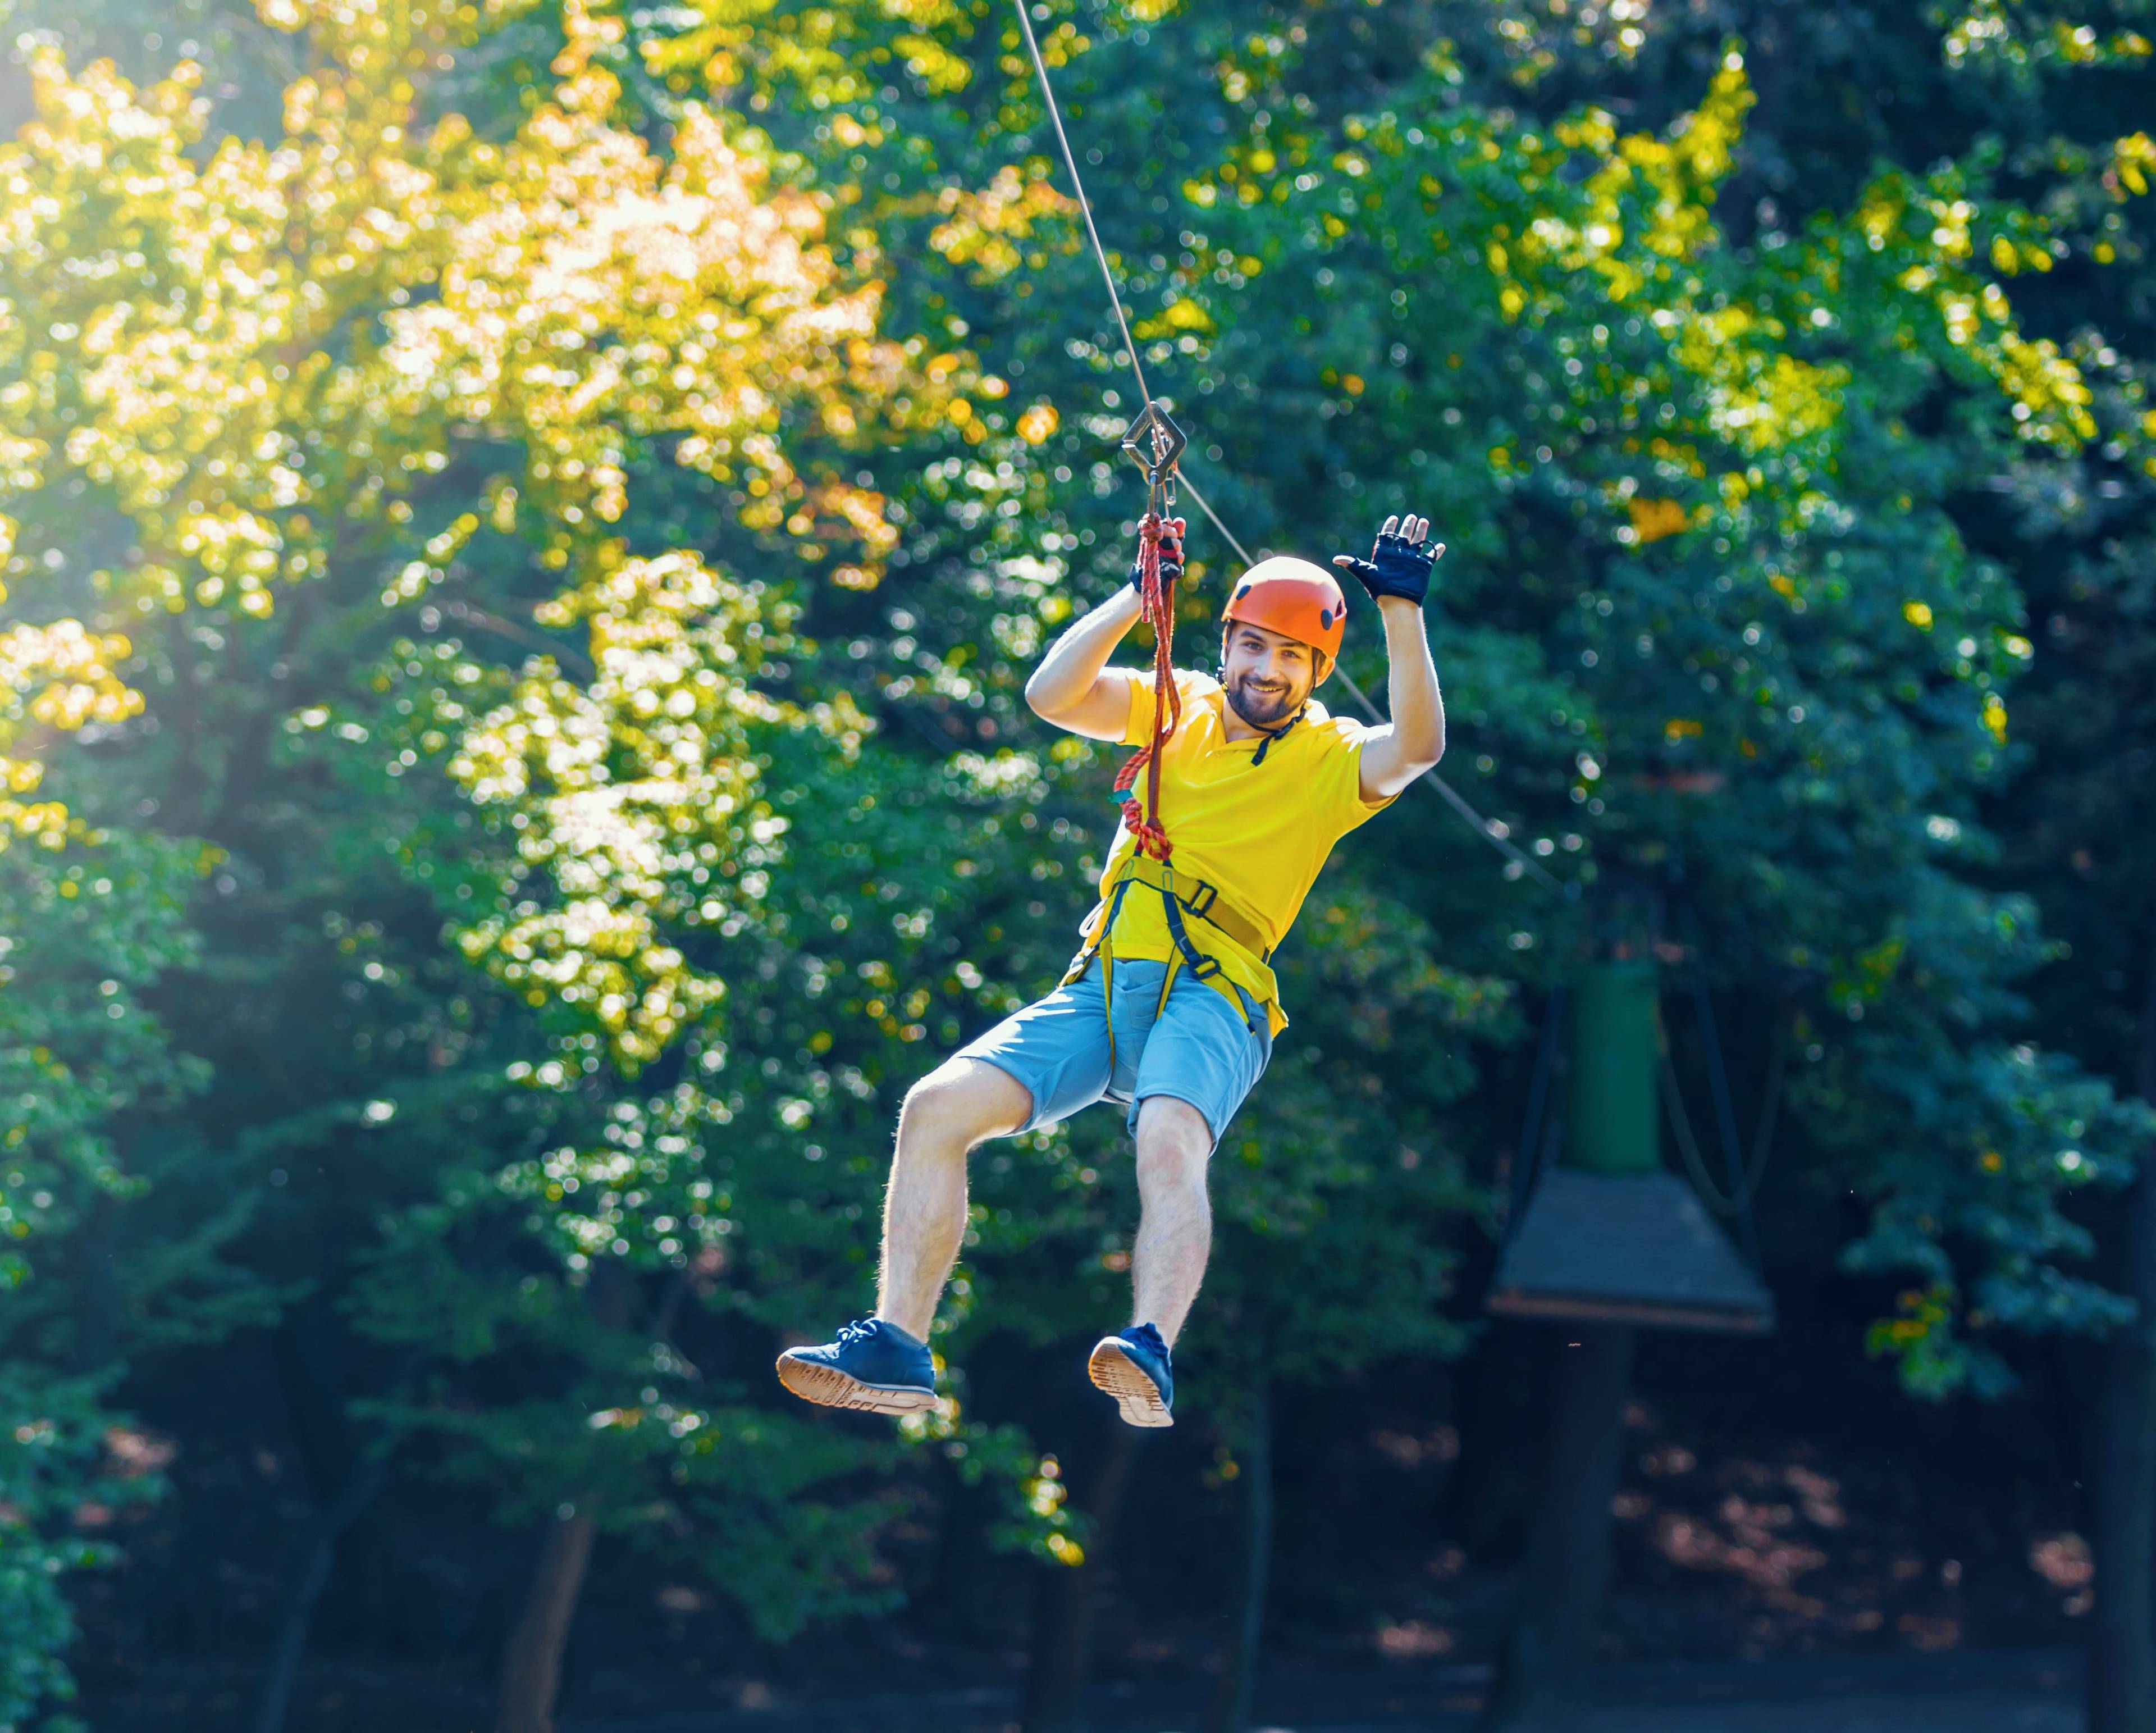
[1175,1218]
[962,1103]
[1168,1264]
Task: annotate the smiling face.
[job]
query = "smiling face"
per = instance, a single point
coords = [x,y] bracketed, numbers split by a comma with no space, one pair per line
[1267,676]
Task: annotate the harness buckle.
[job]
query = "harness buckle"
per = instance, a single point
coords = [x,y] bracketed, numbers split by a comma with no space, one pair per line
[1203,902]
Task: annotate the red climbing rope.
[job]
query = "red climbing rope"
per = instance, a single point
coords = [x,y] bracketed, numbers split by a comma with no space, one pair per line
[1160,563]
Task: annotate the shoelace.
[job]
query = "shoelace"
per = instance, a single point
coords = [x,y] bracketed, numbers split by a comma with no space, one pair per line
[861,1329]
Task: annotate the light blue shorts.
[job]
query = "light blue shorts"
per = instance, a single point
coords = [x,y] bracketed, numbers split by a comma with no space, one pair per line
[1197,1049]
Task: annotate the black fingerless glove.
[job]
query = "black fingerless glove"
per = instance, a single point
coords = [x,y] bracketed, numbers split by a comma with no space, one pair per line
[1397,567]
[1171,559]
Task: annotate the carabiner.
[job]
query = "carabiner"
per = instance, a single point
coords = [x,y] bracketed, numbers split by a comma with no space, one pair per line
[1152,427]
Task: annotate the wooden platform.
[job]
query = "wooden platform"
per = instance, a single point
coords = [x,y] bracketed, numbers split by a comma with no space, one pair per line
[1641,1249]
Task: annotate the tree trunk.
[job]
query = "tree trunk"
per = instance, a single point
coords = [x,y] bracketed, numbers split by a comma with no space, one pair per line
[1544,1664]
[310,1352]
[969,1586]
[531,1663]
[1504,1430]
[306,1591]
[2121,1696]
[1062,1656]
[1238,1663]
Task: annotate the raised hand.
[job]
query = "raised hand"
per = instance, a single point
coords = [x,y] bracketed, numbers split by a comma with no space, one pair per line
[1171,554]
[1400,564]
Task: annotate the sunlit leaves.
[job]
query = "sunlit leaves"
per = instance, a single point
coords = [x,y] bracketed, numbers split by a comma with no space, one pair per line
[638,798]
[823,56]
[264,353]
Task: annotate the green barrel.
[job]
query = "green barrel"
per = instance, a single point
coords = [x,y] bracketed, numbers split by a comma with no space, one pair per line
[1613,1124]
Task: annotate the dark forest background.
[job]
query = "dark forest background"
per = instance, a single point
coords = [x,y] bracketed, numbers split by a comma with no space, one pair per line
[525,528]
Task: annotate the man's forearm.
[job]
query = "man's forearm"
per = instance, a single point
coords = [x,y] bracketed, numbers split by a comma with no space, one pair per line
[1418,709]
[1074,661]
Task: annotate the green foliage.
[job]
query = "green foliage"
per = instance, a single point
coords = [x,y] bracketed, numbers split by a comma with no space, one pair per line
[52,1469]
[91,927]
[525,538]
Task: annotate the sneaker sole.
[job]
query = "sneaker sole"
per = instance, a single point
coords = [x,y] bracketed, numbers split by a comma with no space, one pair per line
[1137,1396]
[831,1388]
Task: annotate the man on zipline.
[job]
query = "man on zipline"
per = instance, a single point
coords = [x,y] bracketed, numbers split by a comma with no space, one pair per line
[1169,1005]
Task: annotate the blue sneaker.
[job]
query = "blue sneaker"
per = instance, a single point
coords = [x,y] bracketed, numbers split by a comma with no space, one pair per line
[873,1365]
[1132,1367]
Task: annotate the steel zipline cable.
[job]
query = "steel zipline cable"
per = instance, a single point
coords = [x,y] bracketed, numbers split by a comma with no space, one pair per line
[1490,830]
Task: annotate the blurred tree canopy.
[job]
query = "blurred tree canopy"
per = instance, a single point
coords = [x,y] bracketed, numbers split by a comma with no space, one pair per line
[525,526]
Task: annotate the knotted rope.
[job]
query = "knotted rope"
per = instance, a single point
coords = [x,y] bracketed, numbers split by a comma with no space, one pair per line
[1160,563]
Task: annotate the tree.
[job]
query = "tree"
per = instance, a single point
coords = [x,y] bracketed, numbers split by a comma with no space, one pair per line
[93,923]
[647,1188]
[419,468]
[303,374]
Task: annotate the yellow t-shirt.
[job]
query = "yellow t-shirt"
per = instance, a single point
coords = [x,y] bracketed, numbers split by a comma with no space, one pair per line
[1258,832]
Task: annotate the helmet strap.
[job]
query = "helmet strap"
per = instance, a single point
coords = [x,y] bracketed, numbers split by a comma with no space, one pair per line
[1266,745]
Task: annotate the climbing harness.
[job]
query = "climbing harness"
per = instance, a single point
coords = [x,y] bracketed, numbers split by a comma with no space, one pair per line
[1182,894]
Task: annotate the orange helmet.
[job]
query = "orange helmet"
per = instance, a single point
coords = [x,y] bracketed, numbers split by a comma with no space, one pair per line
[1293,597]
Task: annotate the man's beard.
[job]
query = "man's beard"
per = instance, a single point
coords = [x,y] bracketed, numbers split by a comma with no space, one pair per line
[1262,710]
